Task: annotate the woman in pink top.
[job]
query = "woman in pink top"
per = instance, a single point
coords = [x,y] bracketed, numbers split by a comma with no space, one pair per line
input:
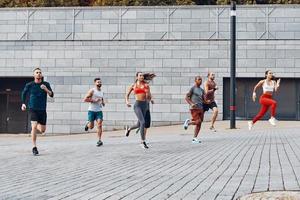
[269,86]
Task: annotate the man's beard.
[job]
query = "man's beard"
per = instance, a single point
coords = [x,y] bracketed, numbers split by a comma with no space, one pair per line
[99,86]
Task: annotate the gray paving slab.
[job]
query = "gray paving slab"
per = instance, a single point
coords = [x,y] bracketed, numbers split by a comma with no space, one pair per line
[226,165]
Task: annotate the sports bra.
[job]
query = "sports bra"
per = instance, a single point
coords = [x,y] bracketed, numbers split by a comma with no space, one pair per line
[268,88]
[143,89]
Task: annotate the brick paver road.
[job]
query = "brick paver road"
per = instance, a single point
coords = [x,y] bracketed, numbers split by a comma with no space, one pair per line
[226,165]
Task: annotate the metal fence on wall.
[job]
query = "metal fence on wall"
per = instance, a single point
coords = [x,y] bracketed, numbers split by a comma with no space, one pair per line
[149,23]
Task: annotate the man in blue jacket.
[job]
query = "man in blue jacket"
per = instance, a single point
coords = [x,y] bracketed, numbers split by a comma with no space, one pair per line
[37,91]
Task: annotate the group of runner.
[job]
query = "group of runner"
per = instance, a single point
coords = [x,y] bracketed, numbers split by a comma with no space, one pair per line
[199,100]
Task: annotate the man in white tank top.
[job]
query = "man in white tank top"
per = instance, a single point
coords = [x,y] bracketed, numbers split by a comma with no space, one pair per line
[96,100]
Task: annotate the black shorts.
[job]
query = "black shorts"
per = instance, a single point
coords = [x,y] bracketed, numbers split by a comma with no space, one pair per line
[147,119]
[39,116]
[212,105]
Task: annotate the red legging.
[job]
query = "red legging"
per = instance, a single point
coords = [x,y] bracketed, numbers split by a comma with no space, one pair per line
[266,101]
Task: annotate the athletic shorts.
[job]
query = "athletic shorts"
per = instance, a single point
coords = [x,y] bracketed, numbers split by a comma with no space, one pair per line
[39,116]
[197,114]
[147,119]
[212,105]
[92,116]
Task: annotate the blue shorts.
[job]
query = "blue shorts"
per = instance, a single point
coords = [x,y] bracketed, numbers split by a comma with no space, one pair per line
[92,116]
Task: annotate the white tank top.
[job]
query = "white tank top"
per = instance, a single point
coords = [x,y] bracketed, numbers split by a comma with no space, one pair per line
[268,88]
[96,107]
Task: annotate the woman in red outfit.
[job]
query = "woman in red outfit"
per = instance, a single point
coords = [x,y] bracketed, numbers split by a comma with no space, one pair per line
[143,95]
[269,86]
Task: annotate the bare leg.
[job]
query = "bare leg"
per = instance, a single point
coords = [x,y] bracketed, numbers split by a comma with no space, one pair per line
[33,132]
[99,129]
[215,115]
[41,128]
[197,130]
[90,125]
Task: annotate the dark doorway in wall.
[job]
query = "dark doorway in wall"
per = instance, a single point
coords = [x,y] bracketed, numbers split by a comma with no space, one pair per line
[288,99]
[12,119]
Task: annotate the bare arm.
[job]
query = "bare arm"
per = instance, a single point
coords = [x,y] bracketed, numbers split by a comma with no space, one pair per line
[149,95]
[277,84]
[188,97]
[128,94]
[259,84]
[88,96]
[102,101]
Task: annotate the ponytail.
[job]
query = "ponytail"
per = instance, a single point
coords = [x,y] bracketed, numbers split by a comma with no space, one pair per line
[147,76]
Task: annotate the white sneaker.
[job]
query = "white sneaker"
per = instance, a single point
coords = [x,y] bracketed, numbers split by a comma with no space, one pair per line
[186,124]
[272,121]
[212,129]
[196,141]
[250,125]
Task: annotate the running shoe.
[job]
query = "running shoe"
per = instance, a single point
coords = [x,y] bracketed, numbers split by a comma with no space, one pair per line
[144,145]
[250,125]
[212,129]
[86,128]
[99,143]
[127,131]
[196,141]
[35,152]
[186,124]
[272,121]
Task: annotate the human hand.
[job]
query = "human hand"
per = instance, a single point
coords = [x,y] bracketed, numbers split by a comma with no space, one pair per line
[43,87]
[23,107]
[278,82]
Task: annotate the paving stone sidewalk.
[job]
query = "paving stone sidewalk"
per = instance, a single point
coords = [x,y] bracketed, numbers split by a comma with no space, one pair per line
[226,165]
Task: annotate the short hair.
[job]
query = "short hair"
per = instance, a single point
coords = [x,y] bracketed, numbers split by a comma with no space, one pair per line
[37,69]
[198,77]
[209,73]
[97,79]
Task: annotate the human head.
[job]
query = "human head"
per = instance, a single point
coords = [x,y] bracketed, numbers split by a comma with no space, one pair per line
[97,82]
[211,76]
[139,76]
[198,80]
[37,74]
[269,75]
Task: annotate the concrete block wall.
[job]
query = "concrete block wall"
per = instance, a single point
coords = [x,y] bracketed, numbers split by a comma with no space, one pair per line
[97,47]
[175,73]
